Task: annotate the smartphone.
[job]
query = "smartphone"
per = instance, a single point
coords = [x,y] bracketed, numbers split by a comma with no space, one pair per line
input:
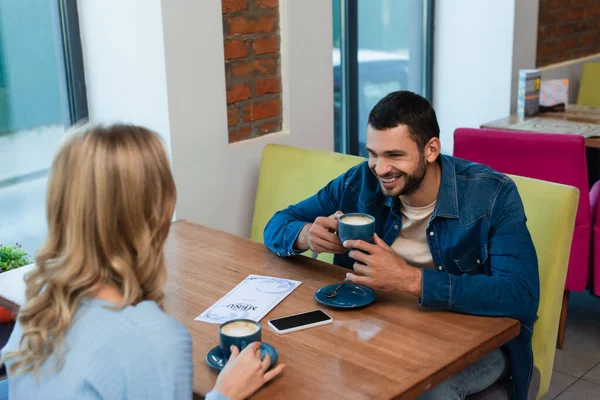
[299,321]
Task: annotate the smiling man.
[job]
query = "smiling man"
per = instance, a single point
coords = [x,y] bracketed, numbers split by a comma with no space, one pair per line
[449,232]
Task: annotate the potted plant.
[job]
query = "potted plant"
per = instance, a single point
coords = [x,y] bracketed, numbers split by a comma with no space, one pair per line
[11,257]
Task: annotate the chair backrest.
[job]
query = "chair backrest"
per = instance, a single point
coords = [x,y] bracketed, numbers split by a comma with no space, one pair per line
[550,210]
[546,156]
[589,85]
[291,174]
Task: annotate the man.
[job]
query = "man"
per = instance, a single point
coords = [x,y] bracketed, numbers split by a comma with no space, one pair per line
[449,232]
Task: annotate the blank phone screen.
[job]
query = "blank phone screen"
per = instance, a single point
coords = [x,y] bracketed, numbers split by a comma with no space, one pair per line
[295,321]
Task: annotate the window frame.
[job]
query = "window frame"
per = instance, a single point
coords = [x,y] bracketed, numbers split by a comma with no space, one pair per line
[73,60]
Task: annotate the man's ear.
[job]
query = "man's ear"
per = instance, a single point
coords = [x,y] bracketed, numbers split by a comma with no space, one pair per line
[432,150]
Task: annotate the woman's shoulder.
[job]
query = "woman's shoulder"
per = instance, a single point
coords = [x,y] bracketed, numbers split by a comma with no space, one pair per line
[138,350]
[142,331]
[133,323]
[136,343]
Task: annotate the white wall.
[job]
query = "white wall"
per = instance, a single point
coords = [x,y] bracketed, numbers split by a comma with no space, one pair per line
[160,64]
[570,70]
[472,70]
[524,42]
[124,62]
[217,181]
[479,46]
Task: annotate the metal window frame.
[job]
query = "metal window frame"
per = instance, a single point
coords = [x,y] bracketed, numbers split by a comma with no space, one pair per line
[428,26]
[349,75]
[73,61]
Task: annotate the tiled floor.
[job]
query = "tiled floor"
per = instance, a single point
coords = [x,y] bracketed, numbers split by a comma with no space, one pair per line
[577,366]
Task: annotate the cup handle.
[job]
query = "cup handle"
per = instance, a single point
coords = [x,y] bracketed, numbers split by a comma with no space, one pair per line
[263,352]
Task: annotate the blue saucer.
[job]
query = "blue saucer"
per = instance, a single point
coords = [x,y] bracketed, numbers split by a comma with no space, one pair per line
[216,360]
[348,296]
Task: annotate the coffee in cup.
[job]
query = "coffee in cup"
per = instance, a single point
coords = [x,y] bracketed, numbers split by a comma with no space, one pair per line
[239,328]
[239,333]
[356,220]
[356,226]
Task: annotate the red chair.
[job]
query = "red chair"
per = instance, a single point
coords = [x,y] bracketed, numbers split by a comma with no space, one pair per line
[546,156]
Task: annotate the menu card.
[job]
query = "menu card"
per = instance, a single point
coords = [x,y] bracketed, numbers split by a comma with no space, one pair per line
[554,92]
[252,299]
[528,94]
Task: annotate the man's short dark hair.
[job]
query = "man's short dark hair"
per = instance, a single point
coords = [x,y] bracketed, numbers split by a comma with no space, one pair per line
[406,108]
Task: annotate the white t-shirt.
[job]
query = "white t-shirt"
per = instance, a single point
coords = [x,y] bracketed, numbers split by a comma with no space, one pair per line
[411,243]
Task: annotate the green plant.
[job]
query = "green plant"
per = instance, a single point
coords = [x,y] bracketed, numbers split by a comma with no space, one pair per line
[12,257]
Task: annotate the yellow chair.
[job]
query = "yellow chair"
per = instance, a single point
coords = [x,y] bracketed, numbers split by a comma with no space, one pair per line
[290,174]
[550,210]
[589,85]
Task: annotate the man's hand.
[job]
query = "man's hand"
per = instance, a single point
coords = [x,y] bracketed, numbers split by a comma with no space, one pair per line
[382,268]
[321,236]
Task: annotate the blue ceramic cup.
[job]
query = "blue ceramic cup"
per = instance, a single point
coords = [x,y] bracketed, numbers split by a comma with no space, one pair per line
[240,333]
[356,226]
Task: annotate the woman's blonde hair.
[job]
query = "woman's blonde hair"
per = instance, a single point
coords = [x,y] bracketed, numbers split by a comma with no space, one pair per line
[109,205]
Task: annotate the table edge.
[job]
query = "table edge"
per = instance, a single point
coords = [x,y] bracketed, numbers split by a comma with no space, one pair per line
[460,363]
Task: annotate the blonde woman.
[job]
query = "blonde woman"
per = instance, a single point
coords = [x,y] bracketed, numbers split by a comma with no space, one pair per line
[93,326]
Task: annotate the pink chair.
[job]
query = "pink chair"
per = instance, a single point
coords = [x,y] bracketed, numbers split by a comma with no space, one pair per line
[595,264]
[545,156]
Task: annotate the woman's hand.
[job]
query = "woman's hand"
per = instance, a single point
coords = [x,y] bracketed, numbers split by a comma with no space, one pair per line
[245,373]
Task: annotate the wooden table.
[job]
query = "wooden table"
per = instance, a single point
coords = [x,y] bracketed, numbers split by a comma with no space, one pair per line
[391,349]
[577,120]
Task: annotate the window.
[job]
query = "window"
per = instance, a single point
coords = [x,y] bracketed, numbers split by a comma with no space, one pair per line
[379,46]
[42,92]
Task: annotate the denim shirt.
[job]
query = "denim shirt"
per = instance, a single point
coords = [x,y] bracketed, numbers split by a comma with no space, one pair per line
[477,234]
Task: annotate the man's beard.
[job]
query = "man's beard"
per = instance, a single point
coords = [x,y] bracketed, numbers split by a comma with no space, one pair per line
[412,181]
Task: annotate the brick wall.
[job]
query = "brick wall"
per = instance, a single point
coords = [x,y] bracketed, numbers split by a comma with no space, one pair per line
[567,29]
[252,67]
